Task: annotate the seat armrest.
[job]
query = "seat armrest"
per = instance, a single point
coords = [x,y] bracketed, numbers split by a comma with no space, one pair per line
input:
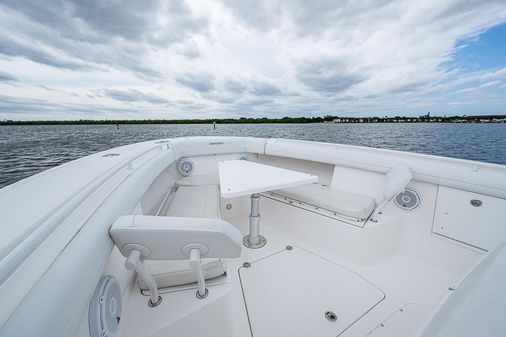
[396,181]
[172,238]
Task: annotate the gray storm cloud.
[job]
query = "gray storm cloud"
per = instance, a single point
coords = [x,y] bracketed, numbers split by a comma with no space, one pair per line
[234,58]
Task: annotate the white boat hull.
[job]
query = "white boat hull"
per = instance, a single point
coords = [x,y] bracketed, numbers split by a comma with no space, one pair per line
[55,245]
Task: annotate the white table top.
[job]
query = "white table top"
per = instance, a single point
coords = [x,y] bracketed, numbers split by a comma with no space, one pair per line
[242,177]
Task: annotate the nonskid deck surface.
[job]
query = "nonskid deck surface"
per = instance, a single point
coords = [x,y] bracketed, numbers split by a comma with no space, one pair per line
[288,292]
[304,293]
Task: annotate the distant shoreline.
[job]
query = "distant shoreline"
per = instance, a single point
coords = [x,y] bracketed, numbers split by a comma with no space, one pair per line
[284,120]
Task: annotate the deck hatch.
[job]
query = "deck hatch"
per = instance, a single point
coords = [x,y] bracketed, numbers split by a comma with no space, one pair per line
[287,294]
[470,218]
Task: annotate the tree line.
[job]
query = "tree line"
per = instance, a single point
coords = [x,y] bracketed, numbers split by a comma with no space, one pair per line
[260,120]
[242,120]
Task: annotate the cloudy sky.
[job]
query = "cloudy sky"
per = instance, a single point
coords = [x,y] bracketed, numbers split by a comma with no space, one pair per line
[102,59]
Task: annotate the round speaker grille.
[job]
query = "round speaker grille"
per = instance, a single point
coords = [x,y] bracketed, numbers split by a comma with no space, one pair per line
[185,167]
[105,308]
[408,200]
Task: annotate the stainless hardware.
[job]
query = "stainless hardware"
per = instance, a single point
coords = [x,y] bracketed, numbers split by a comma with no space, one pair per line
[330,316]
[200,297]
[476,203]
[152,305]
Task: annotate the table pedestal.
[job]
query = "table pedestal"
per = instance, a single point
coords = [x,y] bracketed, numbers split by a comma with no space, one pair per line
[254,239]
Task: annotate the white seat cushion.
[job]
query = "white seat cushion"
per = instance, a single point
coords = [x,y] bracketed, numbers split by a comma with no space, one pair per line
[345,203]
[196,201]
[178,272]
[201,179]
[201,201]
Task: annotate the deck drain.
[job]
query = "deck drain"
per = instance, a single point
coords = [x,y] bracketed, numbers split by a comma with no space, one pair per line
[246,264]
[330,316]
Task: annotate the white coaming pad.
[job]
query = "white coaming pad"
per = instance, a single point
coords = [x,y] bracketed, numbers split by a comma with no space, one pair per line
[289,292]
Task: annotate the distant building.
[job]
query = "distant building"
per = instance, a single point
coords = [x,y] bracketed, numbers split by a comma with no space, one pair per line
[423,119]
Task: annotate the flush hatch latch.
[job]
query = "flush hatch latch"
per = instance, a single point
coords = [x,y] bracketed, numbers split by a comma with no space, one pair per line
[329,315]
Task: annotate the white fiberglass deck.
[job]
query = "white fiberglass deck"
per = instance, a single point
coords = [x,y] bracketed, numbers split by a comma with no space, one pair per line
[302,289]
[392,297]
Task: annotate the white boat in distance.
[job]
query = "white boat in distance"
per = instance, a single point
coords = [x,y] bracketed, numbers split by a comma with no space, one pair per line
[232,236]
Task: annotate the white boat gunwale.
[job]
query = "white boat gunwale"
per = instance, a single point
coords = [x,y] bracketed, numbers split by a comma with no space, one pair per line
[476,177]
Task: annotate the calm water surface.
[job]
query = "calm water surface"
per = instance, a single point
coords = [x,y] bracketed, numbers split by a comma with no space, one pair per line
[26,150]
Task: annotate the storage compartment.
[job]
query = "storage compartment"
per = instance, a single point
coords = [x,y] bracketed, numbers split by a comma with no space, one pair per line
[471,218]
[297,293]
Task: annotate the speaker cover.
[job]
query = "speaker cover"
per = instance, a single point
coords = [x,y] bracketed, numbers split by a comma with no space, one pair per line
[185,167]
[408,200]
[105,308]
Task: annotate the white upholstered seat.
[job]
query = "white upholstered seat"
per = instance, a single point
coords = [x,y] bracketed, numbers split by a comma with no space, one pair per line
[350,204]
[345,203]
[173,273]
[201,179]
[196,201]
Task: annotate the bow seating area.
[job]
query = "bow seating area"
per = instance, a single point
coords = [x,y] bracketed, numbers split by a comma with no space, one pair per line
[191,197]
[194,201]
[187,201]
[230,236]
[349,207]
[348,204]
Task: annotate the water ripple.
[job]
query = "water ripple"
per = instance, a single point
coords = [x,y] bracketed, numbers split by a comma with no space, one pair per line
[27,150]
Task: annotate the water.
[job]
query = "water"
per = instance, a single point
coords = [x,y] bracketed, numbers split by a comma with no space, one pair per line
[26,150]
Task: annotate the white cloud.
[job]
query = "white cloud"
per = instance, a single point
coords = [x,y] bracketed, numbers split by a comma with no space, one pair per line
[500,73]
[173,59]
[481,87]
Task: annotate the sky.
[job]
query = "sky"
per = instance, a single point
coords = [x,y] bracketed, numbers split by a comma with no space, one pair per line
[98,59]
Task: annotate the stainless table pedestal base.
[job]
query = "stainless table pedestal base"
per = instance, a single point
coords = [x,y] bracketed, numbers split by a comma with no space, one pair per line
[254,239]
